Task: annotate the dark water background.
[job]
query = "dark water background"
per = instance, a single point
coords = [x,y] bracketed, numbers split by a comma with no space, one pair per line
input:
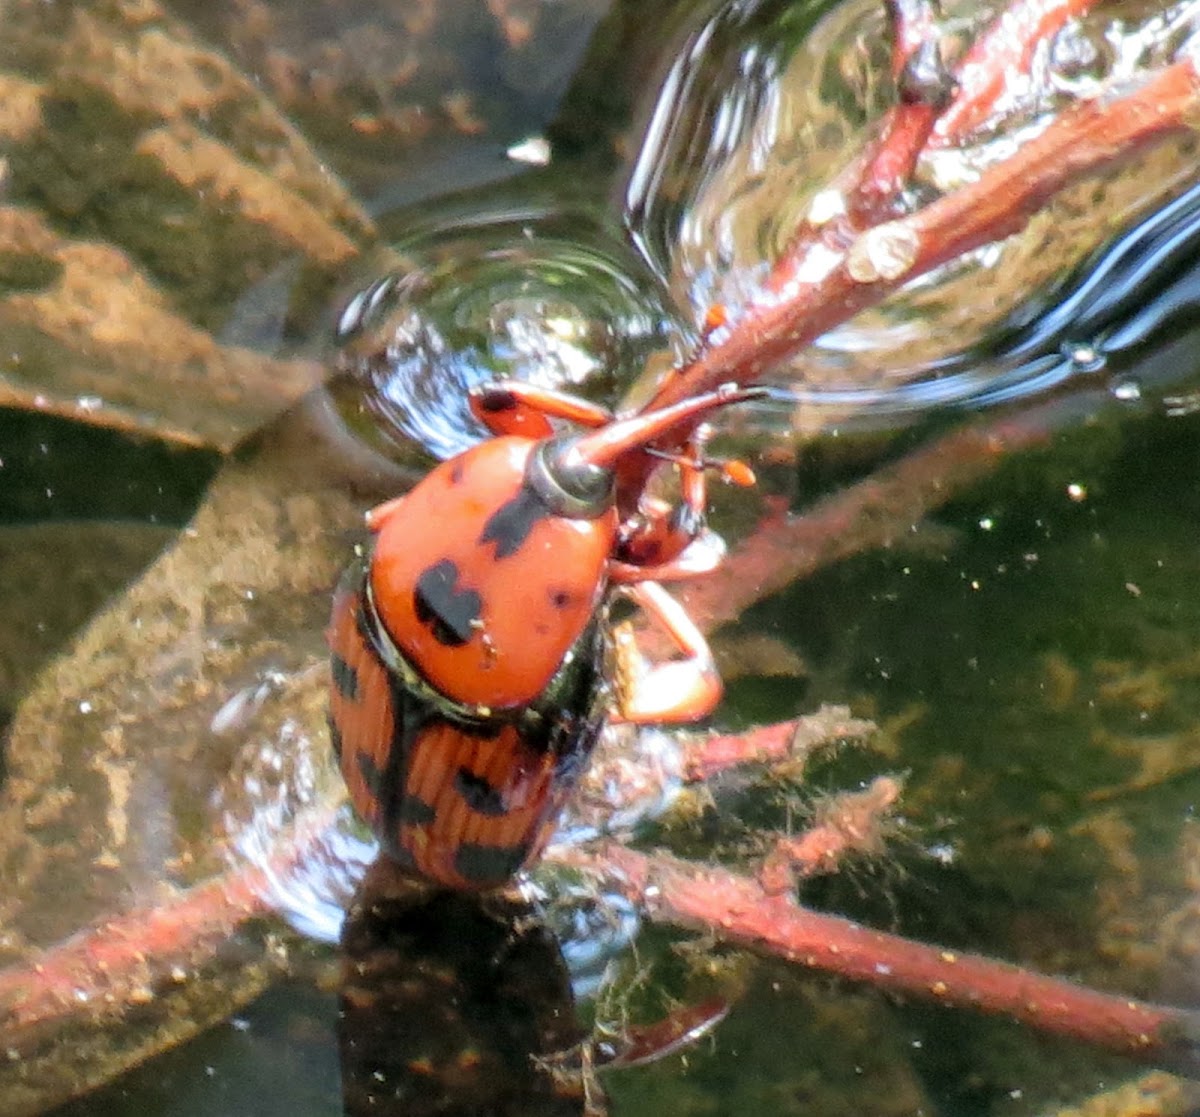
[1031,655]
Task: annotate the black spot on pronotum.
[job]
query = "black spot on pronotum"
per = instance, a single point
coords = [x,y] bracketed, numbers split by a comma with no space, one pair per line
[484,865]
[509,526]
[449,612]
[345,678]
[479,794]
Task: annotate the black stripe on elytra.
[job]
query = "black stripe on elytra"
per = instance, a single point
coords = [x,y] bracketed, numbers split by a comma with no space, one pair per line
[484,865]
[410,717]
[345,678]
[448,612]
[372,777]
[479,794]
[509,526]
[335,735]
[414,811]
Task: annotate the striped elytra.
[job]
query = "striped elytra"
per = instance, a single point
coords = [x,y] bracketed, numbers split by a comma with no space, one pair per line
[463,801]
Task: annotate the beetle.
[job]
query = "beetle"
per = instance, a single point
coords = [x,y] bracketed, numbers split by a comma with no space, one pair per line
[474,663]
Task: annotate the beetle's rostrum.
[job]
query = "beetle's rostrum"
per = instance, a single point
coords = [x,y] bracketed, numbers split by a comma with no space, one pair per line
[473,663]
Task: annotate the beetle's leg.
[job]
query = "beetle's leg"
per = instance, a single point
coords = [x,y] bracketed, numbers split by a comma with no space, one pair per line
[701,555]
[659,533]
[516,407]
[666,542]
[647,1043]
[669,691]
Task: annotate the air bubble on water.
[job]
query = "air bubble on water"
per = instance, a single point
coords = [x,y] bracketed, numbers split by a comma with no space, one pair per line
[1084,356]
[533,150]
[1126,389]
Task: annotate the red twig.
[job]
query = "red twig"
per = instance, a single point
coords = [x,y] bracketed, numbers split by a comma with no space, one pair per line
[914,26]
[1089,136]
[122,964]
[829,284]
[890,163]
[936,108]
[104,971]
[826,280]
[996,58]
[741,911]
[707,755]
[852,822]
[923,86]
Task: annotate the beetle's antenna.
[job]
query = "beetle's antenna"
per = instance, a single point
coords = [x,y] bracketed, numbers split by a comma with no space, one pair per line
[732,471]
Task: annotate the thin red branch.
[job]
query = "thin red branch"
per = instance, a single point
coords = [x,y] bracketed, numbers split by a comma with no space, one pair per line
[707,755]
[1090,136]
[889,166]
[913,27]
[922,84]
[852,822]
[121,965]
[106,970]
[829,284]
[828,280]
[996,58]
[938,108]
[741,911]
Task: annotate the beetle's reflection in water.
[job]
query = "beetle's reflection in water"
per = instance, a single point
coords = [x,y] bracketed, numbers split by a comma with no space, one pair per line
[453,1003]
